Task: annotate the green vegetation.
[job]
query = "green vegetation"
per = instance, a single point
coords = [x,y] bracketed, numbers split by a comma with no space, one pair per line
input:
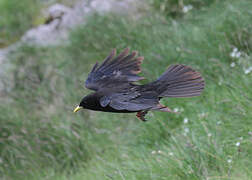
[15,18]
[40,137]
[176,8]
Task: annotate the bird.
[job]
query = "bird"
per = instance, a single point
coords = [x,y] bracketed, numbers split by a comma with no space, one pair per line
[115,88]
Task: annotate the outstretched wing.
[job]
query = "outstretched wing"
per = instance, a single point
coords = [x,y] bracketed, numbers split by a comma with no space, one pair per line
[115,71]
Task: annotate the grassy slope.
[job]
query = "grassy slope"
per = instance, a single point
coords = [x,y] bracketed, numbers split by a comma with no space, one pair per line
[15,18]
[40,137]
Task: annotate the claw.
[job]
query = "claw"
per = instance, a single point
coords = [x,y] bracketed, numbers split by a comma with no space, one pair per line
[141,115]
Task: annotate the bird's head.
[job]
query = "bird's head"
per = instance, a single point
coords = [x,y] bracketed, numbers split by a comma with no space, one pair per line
[83,104]
[88,102]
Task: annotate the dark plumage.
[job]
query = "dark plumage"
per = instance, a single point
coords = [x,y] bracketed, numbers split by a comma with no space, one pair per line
[113,80]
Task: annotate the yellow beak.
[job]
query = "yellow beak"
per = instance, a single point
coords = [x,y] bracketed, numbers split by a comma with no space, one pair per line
[77,108]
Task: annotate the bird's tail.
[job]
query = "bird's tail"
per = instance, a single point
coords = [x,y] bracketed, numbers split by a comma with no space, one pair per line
[179,81]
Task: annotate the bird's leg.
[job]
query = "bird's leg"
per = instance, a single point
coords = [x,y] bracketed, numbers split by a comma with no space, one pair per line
[141,115]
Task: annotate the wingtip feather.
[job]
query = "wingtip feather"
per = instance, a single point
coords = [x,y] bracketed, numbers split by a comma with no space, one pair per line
[140,59]
[134,53]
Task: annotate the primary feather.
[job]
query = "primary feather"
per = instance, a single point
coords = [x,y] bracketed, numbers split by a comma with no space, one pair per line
[122,69]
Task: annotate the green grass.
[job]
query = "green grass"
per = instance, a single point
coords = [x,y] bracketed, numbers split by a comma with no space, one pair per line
[15,18]
[41,138]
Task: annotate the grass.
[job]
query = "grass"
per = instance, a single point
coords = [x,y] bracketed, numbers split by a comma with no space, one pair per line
[15,18]
[41,138]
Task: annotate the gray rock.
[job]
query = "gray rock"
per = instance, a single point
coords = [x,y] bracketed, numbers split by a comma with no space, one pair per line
[61,19]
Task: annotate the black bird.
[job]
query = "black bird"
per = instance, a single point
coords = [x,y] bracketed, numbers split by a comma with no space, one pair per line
[113,80]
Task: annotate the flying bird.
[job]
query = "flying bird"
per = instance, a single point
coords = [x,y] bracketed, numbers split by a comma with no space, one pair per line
[115,91]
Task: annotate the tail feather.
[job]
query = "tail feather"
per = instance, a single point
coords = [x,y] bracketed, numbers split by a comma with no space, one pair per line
[180,81]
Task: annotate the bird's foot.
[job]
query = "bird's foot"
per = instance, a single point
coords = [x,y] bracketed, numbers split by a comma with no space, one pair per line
[141,115]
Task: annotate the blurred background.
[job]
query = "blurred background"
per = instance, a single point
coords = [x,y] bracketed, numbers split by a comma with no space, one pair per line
[47,48]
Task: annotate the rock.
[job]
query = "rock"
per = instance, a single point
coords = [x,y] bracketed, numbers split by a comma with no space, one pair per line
[49,33]
[58,10]
[61,19]
[3,53]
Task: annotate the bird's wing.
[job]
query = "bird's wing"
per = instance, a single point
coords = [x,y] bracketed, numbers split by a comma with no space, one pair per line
[131,100]
[115,71]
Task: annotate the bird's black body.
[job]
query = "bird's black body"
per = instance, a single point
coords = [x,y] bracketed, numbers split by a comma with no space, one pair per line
[113,80]
[92,102]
